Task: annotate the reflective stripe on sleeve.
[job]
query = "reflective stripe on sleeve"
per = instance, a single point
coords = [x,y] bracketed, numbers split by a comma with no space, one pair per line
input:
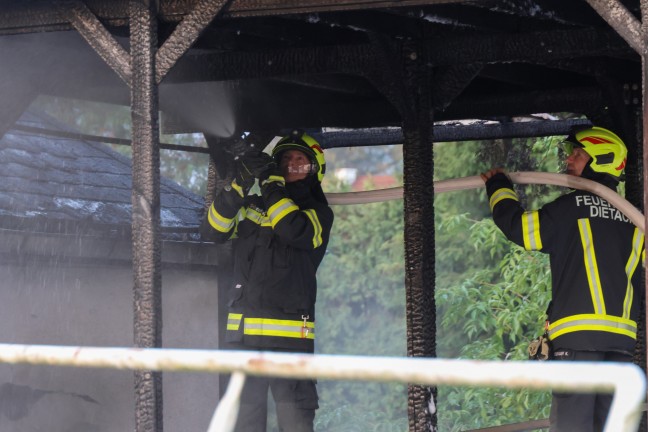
[279,328]
[631,266]
[593,322]
[280,209]
[502,194]
[591,266]
[219,222]
[257,217]
[317,227]
[234,321]
[531,231]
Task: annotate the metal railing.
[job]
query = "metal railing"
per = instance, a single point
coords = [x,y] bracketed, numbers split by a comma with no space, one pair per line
[626,381]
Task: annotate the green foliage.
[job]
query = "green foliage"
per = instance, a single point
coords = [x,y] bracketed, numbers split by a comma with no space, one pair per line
[361,309]
[492,314]
[491,294]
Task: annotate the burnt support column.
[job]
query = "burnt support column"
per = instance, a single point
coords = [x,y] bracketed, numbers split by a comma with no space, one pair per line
[419,232]
[635,33]
[146,210]
[644,129]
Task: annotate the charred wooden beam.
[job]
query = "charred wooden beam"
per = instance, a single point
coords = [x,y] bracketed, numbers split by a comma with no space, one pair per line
[528,47]
[418,209]
[147,267]
[623,21]
[449,82]
[186,34]
[447,51]
[449,133]
[39,15]
[91,29]
[575,100]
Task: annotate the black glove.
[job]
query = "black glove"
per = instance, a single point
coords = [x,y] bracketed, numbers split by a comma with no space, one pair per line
[244,178]
[257,164]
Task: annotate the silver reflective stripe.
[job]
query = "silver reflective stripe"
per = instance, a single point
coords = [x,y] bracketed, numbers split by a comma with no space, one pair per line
[279,210]
[234,321]
[257,218]
[531,230]
[611,325]
[591,266]
[218,222]
[279,328]
[502,194]
[273,327]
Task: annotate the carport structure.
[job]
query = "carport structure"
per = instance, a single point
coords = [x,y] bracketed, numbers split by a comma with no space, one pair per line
[356,64]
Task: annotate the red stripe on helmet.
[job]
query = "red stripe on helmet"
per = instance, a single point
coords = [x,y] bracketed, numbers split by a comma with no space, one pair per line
[620,167]
[596,140]
[317,147]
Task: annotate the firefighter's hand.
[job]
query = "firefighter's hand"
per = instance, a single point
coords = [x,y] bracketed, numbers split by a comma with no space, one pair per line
[244,177]
[490,173]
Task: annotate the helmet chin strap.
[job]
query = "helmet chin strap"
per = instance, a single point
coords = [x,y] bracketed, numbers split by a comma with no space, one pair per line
[605,179]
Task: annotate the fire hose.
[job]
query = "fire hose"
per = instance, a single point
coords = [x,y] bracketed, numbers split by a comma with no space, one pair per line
[474,182]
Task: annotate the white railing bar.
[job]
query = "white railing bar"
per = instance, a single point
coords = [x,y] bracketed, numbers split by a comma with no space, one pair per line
[626,381]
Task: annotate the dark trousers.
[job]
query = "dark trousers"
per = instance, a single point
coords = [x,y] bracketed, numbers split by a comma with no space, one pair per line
[296,402]
[582,412]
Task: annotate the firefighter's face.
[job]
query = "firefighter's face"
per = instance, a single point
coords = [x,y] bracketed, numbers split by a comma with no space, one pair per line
[577,161]
[295,165]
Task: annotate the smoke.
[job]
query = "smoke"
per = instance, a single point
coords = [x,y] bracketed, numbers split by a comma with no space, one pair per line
[64,64]
[198,107]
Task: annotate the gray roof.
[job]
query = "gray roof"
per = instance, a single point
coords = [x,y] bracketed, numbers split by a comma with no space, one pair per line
[53,184]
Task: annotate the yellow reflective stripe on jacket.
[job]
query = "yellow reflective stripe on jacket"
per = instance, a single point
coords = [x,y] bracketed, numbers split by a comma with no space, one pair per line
[280,328]
[631,266]
[234,321]
[257,217]
[219,222]
[531,230]
[591,266]
[317,227]
[593,322]
[280,209]
[502,194]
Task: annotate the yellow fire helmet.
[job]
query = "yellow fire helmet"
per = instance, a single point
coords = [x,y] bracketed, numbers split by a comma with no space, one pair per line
[607,150]
[298,140]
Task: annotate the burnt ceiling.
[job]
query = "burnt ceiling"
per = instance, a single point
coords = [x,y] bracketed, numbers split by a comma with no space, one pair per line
[269,64]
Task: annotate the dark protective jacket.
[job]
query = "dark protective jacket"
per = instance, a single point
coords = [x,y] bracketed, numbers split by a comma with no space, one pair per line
[279,240]
[595,255]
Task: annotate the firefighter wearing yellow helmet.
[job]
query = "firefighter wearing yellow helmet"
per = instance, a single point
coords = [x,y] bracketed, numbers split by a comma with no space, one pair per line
[606,150]
[595,257]
[279,239]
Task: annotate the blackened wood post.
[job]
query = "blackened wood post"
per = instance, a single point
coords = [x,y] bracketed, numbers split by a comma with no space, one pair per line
[419,233]
[644,135]
[146,210]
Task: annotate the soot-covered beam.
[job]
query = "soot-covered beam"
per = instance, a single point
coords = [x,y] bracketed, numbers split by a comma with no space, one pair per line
[418,211]
[147,248]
